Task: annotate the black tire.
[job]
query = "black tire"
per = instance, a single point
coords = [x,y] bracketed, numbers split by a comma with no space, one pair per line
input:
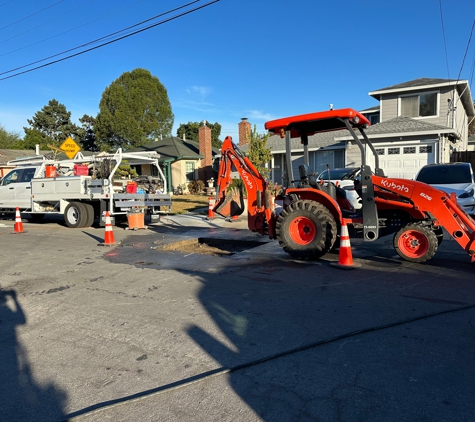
[416,243]
[90,214]
[75,215]
[306,230]
[439,234]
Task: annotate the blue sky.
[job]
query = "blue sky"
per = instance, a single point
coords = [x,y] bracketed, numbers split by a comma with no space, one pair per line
[260,59]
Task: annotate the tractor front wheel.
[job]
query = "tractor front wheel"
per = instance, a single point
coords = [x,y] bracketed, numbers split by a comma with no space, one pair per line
[416,243]
[306,230]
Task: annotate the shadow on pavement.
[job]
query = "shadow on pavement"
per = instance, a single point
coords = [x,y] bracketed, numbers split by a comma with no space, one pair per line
[318,355]
[22,398]
[303,341]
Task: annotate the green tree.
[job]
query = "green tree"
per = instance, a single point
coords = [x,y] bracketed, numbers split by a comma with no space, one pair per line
[32,138]
[9,140]
[134,109]
[190,130]
[258,152]
[87,137]
[50,126]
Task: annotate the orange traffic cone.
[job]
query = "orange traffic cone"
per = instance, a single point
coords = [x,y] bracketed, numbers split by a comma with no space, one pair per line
[18,228]
[210,208]
[109,234]
[345,258]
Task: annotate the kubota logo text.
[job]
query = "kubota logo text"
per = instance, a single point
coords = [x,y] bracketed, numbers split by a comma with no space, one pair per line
[246,178]
[395,186]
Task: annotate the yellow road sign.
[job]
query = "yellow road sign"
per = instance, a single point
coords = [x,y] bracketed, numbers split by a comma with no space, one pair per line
[70,147]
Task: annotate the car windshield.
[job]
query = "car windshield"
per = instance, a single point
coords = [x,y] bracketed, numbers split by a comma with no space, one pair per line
[443,175]
[335,174]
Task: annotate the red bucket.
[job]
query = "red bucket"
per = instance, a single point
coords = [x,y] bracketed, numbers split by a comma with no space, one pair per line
[50,171]
[131,187]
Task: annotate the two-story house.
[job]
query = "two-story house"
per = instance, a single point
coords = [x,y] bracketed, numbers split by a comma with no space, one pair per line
[415,123]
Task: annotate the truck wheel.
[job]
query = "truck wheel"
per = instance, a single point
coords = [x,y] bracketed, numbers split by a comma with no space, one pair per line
[75,215]
[416,243]
[90,214]
[306,230]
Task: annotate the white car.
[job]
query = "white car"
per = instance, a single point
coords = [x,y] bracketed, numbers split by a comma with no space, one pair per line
[345,179]
[451,177]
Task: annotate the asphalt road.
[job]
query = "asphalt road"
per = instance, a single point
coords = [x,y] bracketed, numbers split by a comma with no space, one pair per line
[138,332]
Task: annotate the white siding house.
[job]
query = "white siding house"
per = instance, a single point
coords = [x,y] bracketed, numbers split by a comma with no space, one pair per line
[416,123]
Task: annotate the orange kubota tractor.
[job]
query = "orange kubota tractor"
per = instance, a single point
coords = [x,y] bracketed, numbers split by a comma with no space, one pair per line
[313,212]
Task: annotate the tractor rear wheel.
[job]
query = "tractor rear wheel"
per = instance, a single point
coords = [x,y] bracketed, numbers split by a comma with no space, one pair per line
[306,229]
[416,243]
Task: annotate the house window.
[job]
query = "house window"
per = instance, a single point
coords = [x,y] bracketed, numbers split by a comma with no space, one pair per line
[190,170]
[379,151]
[409,150]
[373,119]
[427,149]
[423,105]
[320,159]
[393,151]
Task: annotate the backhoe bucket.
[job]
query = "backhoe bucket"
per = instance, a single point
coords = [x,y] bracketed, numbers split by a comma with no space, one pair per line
[230,205]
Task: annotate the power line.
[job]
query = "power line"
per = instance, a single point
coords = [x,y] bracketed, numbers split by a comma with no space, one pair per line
[461,67]
[99,39]
[443,34]
[466,50]
[69,30]
[33,14]
[473,68]
[3,4]
[106,43]
[44,23]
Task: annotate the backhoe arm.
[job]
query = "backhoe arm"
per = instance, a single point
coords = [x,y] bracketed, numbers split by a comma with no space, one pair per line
[260,214]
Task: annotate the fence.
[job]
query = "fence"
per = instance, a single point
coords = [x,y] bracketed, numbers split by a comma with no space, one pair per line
[464,157]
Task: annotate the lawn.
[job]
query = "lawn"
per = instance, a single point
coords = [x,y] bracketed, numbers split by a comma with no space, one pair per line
[181,204]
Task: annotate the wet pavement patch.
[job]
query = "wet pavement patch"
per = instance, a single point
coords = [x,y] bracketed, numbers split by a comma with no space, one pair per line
[144,263]
[210,246]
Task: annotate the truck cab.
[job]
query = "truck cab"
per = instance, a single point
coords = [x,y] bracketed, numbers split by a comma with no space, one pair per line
[15,189]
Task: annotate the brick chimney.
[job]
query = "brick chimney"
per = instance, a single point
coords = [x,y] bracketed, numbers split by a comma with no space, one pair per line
[244,131]
[204,136]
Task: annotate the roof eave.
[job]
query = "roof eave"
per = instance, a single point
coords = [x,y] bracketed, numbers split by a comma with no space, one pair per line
[400,134]
[466,97]
[376,94]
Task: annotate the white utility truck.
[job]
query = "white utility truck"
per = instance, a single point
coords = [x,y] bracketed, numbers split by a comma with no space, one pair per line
[84,188]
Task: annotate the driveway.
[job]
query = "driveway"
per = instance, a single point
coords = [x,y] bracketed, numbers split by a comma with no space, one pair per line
[149,330]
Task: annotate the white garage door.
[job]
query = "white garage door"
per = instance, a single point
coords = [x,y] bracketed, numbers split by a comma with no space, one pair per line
[405,160]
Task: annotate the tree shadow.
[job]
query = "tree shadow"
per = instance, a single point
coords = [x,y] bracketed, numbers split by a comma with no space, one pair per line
[263,324]
[21,397]
[299,340]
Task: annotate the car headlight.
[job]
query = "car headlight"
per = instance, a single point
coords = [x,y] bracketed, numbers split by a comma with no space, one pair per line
[467,194]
